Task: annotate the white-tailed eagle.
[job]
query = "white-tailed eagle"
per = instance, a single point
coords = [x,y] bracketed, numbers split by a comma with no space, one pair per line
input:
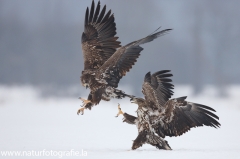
[105,60]
[159,116]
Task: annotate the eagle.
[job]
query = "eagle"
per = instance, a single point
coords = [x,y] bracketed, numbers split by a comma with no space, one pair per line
[105,60]
[159,116]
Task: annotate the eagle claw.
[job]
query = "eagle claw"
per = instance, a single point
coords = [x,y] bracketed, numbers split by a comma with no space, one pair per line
[119,111]
[85,102]
[81,110]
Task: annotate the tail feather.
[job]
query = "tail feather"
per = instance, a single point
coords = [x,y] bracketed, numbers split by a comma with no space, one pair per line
[164,146]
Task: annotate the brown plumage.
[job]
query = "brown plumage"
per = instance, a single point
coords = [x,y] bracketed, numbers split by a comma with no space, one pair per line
[165,116]
[173,117]
[105,60]
[98,39]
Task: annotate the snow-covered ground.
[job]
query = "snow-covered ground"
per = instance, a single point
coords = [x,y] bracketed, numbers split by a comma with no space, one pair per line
[29,122]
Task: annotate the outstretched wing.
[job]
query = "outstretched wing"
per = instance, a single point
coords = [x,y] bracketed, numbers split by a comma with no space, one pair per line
[123,59]
[157,89]
[180,116]
[98,39]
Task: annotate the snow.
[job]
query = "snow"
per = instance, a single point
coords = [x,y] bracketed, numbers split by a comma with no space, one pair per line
[29,122]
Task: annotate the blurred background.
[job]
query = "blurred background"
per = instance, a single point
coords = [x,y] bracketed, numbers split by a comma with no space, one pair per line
[41,62]
[40,42]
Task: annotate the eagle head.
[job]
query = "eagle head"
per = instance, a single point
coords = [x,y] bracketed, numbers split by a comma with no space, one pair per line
[137,100]
[85,80]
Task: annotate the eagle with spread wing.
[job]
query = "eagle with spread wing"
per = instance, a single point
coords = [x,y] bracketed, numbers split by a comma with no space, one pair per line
[158,114]
[105,60]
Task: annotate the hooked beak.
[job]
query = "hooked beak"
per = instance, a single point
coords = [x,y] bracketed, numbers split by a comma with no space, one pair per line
[87,87]
[132,100]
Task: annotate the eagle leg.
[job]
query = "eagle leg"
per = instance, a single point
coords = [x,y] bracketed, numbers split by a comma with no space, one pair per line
[119,111]
[85,102]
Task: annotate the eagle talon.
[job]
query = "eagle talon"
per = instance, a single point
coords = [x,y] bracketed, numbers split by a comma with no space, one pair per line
[119,111]
[81,110]
[85,102]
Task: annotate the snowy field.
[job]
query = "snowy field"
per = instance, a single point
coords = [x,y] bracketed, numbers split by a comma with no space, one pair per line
[31,123]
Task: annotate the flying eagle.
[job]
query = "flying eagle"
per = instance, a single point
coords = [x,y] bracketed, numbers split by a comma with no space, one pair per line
[158,114]
[105,60]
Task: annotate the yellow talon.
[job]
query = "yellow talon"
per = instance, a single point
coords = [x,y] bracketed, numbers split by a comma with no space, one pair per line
[119,111]
[85,102]
[80,110]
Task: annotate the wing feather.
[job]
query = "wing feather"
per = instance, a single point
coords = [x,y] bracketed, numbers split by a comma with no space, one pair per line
[98,39]
[100,17]
[124,58]
[129,118]
[157,88]
[180,116]
[91,12]
[96,12]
